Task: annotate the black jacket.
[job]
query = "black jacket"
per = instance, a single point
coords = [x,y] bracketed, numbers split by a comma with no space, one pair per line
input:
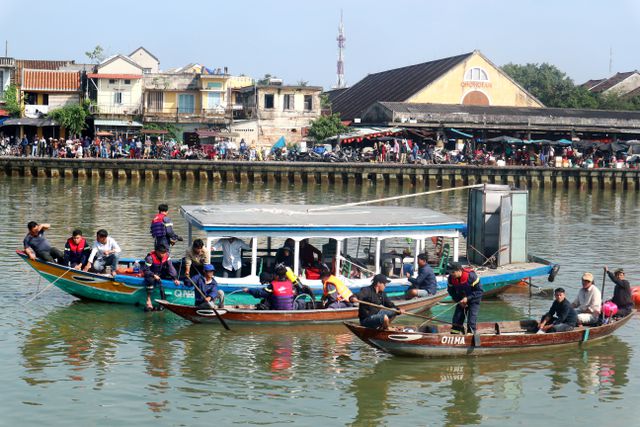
[369,294]
[563,312]
[621,293]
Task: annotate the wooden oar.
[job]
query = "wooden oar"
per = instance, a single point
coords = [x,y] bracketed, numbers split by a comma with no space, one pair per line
[222,321]
[382,307]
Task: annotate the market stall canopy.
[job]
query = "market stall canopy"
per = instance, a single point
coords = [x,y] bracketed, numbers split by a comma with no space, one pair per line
[27,121]
[154,132]
[506,140]
[117,123]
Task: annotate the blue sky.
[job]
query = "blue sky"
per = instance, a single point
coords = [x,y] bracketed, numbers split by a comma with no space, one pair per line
[295,40]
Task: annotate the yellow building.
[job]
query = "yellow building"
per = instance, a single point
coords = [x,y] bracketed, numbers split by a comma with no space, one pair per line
[468,79]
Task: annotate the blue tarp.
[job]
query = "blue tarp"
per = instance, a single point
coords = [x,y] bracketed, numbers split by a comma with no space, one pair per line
[279,144]
[466,135]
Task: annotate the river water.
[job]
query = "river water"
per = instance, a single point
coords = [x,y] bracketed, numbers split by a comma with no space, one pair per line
[67,361]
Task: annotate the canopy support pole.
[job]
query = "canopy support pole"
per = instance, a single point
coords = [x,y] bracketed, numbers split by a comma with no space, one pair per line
[254,256]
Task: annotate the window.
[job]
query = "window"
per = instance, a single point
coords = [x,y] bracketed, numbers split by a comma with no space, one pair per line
[308,102]
[146,71]
[214,85]
[476,74]
[45,99]
[117,98]
[214,100]
[127,82]
[113,81]
[288,101]
[186,103]
[155,101]
[268,101]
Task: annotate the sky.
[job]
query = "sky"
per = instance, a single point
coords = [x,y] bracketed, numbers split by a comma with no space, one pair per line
[296,40]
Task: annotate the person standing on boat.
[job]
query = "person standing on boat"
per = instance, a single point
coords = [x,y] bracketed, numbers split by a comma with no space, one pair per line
[425,283]
[374,317]
[209,287]
[622,296]
[36,244]
[76,250]
[588,303]
[465,289]
[335,294]
[231,248]
[195,258]
[105,252]
[162,228]
[561,317]
[157,264]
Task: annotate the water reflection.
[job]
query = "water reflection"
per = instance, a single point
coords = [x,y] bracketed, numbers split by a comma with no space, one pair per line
[459,387]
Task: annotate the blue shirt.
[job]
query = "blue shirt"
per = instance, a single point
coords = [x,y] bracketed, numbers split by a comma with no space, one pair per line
[38,243]
[208,289]
[426,280]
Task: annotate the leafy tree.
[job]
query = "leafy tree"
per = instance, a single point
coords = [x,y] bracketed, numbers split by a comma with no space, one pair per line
[303,83]
[325,127]
[72,117]
[324,101]
[265,80]
[171,128]
[12,105]
[96,55]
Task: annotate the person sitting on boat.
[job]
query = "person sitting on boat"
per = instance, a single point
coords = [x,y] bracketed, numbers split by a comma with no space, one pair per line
[425,284]
[157,264]
[263,294]
[231,248]
[561,317]
[279,294]
[374,317]
[76,250]
[195,258]
[335,294]
[284,255]
[105,252]
[622,296]
[465,290]
[36,244]
[588,303]
[162,228]
[209,287]
[310,256]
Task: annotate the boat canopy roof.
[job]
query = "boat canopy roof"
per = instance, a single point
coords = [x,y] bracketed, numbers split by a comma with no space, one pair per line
[319,220]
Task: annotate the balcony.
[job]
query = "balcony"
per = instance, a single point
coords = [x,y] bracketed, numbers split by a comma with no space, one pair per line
[116,110]
[6,62]
[36,111]
[185,115]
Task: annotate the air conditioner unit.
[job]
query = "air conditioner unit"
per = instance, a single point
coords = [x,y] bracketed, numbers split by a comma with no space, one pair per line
[357,120]
[275,82]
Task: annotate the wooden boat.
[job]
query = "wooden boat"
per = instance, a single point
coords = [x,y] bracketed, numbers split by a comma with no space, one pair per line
[492,338]
[249,315]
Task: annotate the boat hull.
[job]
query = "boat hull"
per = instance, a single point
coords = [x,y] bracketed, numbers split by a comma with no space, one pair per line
[242,315]
[445,344]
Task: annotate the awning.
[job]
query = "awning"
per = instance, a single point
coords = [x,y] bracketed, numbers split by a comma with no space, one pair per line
[27,121]
[466,135]
[207,133]
[104,133]
[117,123]
[154,132]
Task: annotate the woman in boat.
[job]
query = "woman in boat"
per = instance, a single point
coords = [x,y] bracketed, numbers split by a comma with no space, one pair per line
[621,293]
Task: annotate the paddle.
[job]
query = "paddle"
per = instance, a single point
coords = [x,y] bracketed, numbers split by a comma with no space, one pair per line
[222,321]
[604,278]
[382,307]
[47,287]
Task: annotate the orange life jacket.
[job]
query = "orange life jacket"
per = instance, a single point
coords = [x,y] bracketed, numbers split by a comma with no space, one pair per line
[344,293]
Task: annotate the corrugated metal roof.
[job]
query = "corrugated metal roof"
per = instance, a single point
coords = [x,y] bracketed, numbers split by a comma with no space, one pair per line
[117,123]
[51,80]
[395,85]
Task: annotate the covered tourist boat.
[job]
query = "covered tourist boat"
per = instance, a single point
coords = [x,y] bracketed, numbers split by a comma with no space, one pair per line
[248,314]
[491,338]
[355,242]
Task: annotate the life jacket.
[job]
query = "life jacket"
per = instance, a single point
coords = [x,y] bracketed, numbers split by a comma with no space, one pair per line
[461,285]
[156,262]
[282,295]
[77,249]
[462,280]
[158,229]
[343,292]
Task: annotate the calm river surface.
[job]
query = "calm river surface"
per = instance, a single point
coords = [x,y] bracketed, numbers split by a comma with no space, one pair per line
[66,361]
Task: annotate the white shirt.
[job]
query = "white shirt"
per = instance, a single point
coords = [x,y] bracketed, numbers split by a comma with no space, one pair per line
[231,252]
[99,248]
[588,300]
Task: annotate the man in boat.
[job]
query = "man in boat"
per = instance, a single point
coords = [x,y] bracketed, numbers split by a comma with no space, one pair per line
[310,256]
[231,248]
[465,289]
[561,317]
[36,244]
[263,294]
[195,258]
[280,293]
[105,252]
[76,250]
[157,264]
[374,317]
[284,255]
[622,296]
[425,283]
[162,228]
[209,287]
[335,294]
[588,303]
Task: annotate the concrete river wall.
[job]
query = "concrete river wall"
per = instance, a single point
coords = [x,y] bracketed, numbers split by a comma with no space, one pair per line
[417,177]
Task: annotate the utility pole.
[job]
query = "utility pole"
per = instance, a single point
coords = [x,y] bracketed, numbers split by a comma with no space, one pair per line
[341,39]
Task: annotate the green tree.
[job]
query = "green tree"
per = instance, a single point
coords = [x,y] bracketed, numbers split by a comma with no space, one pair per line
[72,117]
[325,127]
[12,105]
[173,131]
[96,55]
[265,80]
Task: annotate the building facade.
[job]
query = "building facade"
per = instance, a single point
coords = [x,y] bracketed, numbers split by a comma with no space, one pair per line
[46,90]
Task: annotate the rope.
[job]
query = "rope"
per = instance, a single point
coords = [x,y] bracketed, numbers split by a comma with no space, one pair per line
[386,199]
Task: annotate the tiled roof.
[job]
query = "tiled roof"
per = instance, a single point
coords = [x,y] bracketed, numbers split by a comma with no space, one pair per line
[612,81]
[36,64]
[393,85]
[51,80]
[590,84]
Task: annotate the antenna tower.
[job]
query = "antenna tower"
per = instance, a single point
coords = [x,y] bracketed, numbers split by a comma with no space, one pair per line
[341,39]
